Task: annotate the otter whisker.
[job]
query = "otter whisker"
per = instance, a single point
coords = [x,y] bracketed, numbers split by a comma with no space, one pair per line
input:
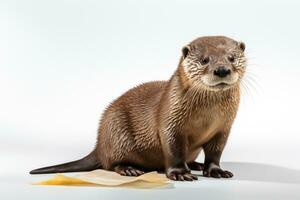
[245,89]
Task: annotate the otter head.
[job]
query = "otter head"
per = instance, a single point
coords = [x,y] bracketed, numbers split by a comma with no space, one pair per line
[214,63]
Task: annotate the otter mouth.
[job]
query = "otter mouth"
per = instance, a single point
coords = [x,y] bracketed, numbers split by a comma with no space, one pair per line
[220,86]
[215,84]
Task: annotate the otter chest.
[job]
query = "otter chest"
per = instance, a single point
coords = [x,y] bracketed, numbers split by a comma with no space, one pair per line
[203,125]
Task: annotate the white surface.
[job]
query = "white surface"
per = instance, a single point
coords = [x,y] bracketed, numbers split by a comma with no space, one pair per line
[251,181]
[62,62]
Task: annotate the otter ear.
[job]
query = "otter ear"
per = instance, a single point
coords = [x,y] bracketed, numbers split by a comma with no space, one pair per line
[242,46]
[185,51]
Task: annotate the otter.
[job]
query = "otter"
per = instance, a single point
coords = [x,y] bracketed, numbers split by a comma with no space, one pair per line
[164,125]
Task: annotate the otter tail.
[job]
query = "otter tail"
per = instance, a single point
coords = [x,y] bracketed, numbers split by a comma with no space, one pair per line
[88,163]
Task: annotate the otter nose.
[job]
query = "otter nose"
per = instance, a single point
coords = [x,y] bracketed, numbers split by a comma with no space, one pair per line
[222,72]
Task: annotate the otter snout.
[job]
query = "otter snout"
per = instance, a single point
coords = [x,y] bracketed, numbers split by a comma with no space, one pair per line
[222,72]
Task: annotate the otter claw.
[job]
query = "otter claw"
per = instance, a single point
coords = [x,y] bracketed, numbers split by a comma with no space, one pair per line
[217,173]
[178,174]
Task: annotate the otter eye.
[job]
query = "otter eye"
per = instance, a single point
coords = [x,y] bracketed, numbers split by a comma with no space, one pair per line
[231,59]
[205,60]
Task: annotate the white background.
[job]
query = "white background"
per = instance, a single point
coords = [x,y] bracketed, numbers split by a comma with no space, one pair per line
[62,62]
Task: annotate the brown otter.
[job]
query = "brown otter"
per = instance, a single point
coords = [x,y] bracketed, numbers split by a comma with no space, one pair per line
[164,125]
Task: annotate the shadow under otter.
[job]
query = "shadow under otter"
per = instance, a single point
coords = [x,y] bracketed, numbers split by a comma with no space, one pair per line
[263,172]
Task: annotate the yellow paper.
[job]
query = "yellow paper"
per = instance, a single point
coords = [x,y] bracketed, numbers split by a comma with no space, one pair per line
[107,178]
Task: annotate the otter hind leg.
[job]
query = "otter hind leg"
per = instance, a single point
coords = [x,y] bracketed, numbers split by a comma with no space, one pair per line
[128,170]
[196,166]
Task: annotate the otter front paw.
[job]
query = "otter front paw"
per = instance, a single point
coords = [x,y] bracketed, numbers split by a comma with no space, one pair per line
[180,174]
[216,172]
